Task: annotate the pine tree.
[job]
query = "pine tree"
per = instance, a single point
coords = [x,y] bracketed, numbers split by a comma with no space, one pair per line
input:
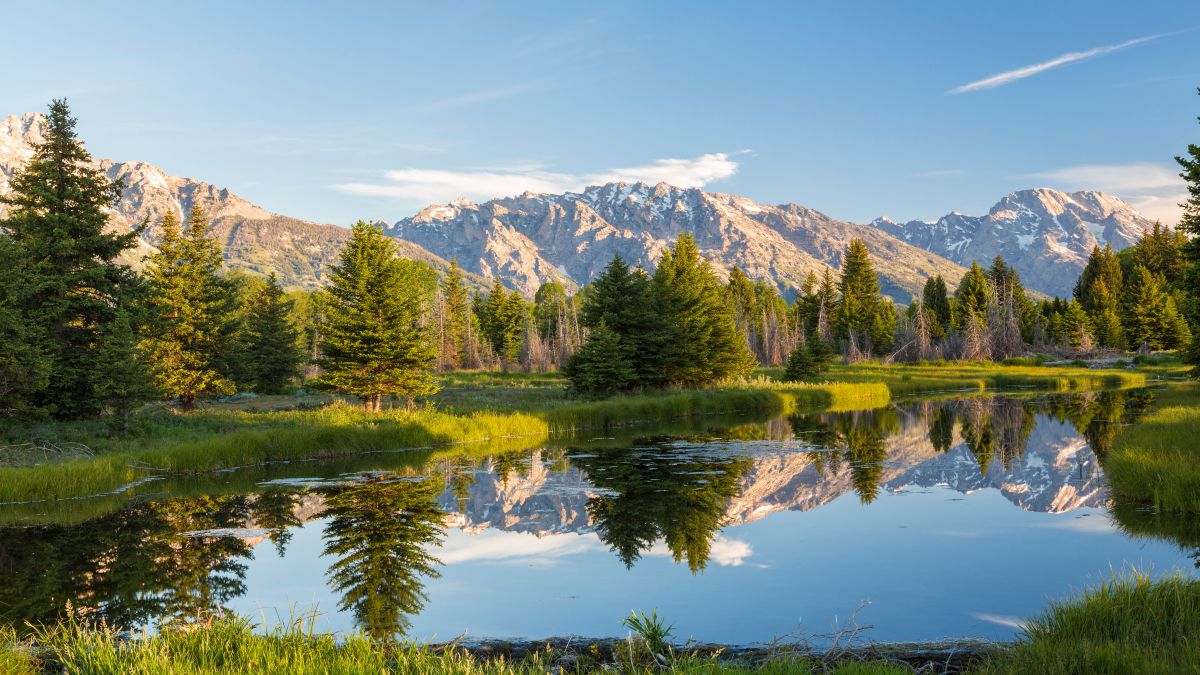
[601,366]
[191,312]
[627,302]
[1189,224]
[503,322]
[374,340]
[24,366]
[807,360]
[860,302]
[456,317]
[125,379]
[270,340]
[1076,329]
[936,301]
[705,345]
[972,298]
[1150,315]
[1099,291]
[58,208]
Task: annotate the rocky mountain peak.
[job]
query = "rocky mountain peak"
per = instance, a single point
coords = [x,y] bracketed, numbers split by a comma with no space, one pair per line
[1046,234]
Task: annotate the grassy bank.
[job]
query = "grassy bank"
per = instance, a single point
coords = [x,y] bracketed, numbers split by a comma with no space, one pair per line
[217,440]
[1129,624]
[1157,462]
[975,376]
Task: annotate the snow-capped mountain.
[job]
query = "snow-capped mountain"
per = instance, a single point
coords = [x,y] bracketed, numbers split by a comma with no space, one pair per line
[255,239]
[1046,234]
[571,237]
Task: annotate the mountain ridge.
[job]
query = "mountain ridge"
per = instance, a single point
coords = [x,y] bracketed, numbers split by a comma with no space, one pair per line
[532,238]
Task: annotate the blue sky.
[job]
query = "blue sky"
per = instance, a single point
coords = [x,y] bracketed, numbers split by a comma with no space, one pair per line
[339,111]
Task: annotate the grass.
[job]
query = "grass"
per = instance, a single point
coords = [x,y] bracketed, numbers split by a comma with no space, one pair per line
[231,645]
[473,407]
[1157,462]
[213,440]
[1128,624]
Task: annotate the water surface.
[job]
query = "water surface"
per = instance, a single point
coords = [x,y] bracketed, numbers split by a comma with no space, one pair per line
[952,518]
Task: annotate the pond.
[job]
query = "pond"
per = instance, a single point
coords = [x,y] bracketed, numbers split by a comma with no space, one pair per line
[920,521]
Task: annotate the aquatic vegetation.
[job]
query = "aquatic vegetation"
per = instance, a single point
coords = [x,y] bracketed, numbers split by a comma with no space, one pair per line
[1157,461]
[1129,623]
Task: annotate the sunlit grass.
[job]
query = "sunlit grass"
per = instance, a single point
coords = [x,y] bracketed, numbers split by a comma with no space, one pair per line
[1127,624]
[1157,461]
[231,645]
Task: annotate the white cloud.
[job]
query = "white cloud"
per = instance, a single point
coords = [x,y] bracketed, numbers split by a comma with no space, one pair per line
[723,551]
[1153,189]
[496,546]
[427,186]
[1001,619]
[1010,76]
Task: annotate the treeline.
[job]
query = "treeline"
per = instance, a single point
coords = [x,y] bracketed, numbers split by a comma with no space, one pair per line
[82,334]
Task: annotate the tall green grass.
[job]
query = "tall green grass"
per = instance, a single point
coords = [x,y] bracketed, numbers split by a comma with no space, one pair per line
[1157,461]
[338,430]
[230,645]
[1128,624]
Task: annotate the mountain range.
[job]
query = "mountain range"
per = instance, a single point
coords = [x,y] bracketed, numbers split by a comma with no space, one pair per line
[533,238]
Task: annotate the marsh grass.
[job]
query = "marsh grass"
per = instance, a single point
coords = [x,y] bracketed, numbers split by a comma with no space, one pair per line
[1157,461]
[477,407]
[1128,624]
[219,440]
[230,645]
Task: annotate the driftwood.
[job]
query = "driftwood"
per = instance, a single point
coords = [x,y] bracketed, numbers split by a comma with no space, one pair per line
[41,452]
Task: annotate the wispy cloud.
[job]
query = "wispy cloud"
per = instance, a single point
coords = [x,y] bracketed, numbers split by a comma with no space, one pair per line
[1010,76]
[1153,189]
[440,185]
[474,98]
[1000,619]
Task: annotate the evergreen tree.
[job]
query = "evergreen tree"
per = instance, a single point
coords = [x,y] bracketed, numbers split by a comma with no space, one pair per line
[705,345]
[374,341]
[1076,327]
[1099,291]
[626,302]
[860,303]
[125,378]
[601,367]
[972,298]
[936,302]
[270,340]
[808,359]
[191,312]
[1150,315]
[24,365]
[1189,224]
[58,208]
[456,316]
[503,322]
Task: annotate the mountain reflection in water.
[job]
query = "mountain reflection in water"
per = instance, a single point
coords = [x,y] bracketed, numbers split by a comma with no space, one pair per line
[178,559]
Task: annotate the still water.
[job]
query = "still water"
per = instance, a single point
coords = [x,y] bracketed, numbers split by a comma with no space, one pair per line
[932,519]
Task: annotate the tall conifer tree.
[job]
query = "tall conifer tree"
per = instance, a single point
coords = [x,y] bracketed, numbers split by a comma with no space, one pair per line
[972,297]
[375,342]
[270,339]
[191,310]
[59,205]
[1189,224]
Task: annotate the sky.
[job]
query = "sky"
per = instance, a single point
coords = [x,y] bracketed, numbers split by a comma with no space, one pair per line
[339,111]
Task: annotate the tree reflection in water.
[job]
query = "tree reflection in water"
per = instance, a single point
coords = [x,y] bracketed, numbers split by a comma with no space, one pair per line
[380,531]
[660,492]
